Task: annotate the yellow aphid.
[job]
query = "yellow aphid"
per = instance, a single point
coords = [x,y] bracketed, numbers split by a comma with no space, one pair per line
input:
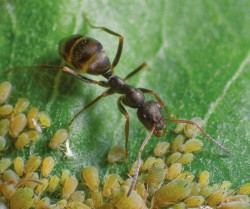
[97,198]
[243,198]
[47,166]
[177,143]
[22,141]
[59,137]
[33,164]
[116,154]
[216,197]
[196,189]
[194,201]
[173,171]
[141,190]
[234,205]
[244,189]
[69,186]
[10,177]
[6,110]
[204,178]
[186,158]
[173,158]
[4,127]
[173,192]
[159,163]
[206,191]
[8,190]
[192,145]
[133,167]
[31,184]
[77,196]
[4,164]
[21,105]
[17,125]
[89,203]
[53,183]
[5,89]
[191,130]
[44,119]
[77,205]
[43,203]
[186,175]
[156,175]
[65,174]
[112,182]
[19,166]
[2,143]
[62,203]
[32,135]
[161,149]
[90,175]
[225,185]
[127,182]
[148,164]
[41,187]
[122,201]
[179,128]
[180,205]
[32,117]
[143,178]
[22,199]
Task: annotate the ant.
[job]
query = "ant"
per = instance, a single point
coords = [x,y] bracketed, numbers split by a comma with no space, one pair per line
[86,55]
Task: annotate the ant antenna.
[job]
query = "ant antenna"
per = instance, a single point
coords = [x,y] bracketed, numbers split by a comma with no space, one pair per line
[202,131]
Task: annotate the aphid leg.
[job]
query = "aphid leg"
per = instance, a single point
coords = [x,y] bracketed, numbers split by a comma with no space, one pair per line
[104,94]
[138,159]
[120,45]
[126,115]
[136,70]
[202,131]
[158,100]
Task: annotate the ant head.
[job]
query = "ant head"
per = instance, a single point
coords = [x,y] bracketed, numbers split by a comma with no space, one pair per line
[84,54]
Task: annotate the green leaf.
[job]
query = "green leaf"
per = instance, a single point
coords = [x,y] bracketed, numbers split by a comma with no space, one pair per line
[199,55]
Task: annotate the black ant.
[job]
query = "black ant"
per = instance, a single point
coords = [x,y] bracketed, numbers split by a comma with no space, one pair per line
[86,55]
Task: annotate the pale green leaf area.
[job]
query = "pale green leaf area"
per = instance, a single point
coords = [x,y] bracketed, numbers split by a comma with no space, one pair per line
[199,57]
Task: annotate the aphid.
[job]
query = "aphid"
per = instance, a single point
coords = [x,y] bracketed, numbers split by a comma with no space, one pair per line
[186,158]
[33,164]
[22,141]
[4,127]
[148,163]
[116,154]
[194,201]
[172,192]
[5,89]
[97,198]
[179,128]
[141,190]
[106,206]
[216,197]
[177,143]
[134,167]
[53,183]
[77,196]
[186,175]
[17,125]
[173,158]
[4,164]
[161,149]
[43,203]
[69,186]
[191,130]
[173,171]
[159,163]
[10,177]
[156,175]
[244,189]
[21,105]
[32,117]
[196,189]
[41,187]
[122,201]
[44,119]
[225,185]
[86,55]
[6,110]
[47,166]
[62,203]
[2,143]
[8,190]
[112,182]
[206,191]
[90,175]
[234,205]
[65,174]
[192,145]
[204,178]
[22,199]
[32,135]
[76,205]
[31,184]
[59,137]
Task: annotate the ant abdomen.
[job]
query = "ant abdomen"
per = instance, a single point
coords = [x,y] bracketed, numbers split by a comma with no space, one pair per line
[84,54]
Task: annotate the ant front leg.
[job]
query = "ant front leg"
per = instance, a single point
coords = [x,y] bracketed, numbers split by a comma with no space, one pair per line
[126,115]
[120,45]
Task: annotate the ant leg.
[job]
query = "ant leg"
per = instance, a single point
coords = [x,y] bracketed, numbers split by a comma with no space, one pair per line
[202,131]
[136,70]
[65,69]
[104,94]
[138,159]
[126,115]
[161,103]
[120,45]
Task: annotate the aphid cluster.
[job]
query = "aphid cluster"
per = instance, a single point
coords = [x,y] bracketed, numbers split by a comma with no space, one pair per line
[17,123]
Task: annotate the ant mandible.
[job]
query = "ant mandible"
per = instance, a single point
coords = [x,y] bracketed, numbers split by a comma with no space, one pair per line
[86,55]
